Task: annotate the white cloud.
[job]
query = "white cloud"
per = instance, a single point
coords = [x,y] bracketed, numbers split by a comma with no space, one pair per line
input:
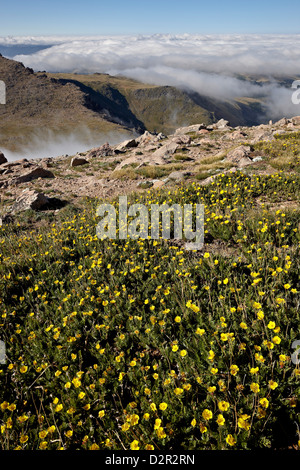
[205,53]
[47,143]
[208,64]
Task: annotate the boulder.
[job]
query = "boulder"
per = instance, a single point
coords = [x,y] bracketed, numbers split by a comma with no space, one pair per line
[77,161]
[182,140]
[296,120]
[138,161]
[221,124]
[148,138]
[240,156]
[23,162]
[187,129]
[46,162]
[104,150]
[166,150]
[37,172]
[131,143]
[178,175]
[236,135]
[259,135]
[29,199]
[3,159]
[145,138]
[158,184]
[282,122]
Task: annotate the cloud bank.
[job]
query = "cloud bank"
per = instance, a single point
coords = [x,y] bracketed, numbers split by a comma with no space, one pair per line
[253,54]
[47,143]
[207,64]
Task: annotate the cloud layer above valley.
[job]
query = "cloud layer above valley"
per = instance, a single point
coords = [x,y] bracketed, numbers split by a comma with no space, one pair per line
[47,143]
[207,64]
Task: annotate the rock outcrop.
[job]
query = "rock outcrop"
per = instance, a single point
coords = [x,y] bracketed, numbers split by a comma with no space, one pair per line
[104,150]
[78,161]
[3,159]
[193,153]
[240,156]
[29,199]
[131,143]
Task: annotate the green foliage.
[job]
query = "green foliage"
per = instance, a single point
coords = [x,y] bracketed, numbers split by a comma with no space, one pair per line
[283,152]
[141,344]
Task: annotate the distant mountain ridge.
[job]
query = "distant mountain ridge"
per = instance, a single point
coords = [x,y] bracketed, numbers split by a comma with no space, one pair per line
[161,108]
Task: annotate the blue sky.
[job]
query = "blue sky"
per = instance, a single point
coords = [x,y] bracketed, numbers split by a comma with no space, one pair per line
[92,17]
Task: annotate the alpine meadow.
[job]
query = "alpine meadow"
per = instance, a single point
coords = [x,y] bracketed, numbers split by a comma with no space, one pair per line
[147,329]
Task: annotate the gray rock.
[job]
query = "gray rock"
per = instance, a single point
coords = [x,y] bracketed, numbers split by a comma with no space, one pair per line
[160,136]
[166,150]
[158,184]
[296,120]
[77,161]
[182,140]
[187,129]
[178,175]
[236,135]
[104,150]
[240,156]
[37,172]
[29,199]
[148,138]
[221,124]
[23,162]
[131,143]
[145,138]
[46,162]
[266,136]
[3,159]
[282,122]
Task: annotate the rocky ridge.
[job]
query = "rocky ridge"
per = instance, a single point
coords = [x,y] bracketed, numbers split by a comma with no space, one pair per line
[148,161]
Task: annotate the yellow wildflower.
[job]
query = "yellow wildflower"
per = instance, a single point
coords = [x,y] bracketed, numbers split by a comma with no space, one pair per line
[207,414]
[230,440]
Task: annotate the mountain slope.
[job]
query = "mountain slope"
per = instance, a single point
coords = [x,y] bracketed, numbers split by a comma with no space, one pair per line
[35,102]
[105,105]
[161,108]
